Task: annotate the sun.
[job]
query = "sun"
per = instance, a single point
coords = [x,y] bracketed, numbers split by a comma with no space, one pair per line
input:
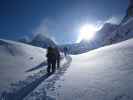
[87,32]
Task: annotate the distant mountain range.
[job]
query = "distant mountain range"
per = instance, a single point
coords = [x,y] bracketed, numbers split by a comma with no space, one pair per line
[39,40]
[108,34]
[100,36]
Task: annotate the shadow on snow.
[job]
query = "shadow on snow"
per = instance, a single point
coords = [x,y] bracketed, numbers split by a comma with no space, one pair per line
[23,92]
[37,67]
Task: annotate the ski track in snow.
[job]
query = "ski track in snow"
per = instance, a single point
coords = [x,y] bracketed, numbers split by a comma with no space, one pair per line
[26,88]
[40,92]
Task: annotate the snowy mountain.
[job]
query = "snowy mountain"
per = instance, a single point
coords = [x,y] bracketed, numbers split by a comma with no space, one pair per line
[78,48]
[15,59]
[125,29]
[20,64]
[123,32]
[109,34]
[41,40]
[101,74]
[106,30]
[103,34]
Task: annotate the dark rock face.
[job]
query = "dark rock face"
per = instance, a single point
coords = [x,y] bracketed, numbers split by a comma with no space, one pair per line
[130,9]
[129,12]
[42,41]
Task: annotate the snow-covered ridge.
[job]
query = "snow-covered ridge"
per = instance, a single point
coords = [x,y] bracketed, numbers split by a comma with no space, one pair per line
[17,47]
[15,59]
[101,74]
[39,40]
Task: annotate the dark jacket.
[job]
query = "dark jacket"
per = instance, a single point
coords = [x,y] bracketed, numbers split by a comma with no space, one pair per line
[51,56]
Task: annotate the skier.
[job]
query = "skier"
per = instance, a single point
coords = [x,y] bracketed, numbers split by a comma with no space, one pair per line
[57,57]
[65,51]
[51,59]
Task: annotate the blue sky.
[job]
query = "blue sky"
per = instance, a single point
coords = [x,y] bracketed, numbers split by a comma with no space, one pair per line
[59,19]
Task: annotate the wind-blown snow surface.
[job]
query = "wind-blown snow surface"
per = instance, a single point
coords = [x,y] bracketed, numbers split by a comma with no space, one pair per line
[102,74]
[15,59]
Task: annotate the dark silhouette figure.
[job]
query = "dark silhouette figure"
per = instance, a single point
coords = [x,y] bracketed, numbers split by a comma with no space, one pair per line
[65,51]
[57,52]
[51,59]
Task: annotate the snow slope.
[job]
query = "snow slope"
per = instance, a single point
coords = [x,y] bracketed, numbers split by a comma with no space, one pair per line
[102,74]
[15,59]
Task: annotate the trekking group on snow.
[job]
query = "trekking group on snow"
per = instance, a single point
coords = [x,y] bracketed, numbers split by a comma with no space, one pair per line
[53,58]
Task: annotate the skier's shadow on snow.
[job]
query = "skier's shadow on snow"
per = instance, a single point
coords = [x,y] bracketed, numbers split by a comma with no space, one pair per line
[22,93]
[37,67]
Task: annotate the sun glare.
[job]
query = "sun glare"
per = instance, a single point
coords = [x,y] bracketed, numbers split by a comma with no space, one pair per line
[87,32]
